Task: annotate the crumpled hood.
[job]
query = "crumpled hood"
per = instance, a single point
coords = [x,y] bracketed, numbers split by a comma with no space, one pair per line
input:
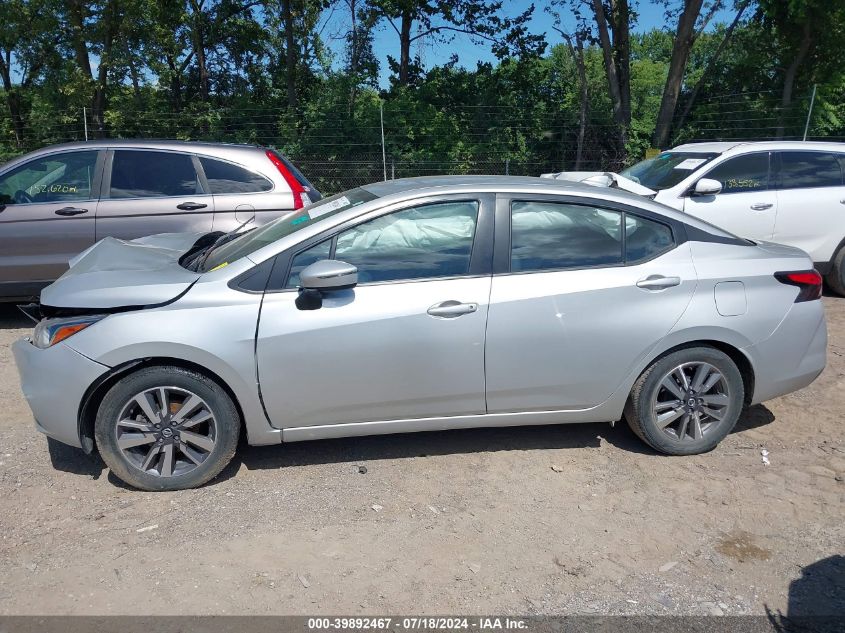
[117,273]
[602,179]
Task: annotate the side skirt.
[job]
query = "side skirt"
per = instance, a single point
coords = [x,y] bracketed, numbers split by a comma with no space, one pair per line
[357,429]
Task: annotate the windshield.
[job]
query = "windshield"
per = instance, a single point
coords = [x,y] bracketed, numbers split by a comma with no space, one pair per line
[282,227]
[667,169]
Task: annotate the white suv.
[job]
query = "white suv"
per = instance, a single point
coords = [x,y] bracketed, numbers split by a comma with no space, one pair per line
[779,191]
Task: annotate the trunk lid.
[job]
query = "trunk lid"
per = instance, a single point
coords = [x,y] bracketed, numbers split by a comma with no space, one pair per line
[602,179]
[117,273]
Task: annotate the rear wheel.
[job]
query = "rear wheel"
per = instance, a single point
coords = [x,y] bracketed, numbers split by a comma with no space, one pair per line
[836,277]
[166,428]
[687,401]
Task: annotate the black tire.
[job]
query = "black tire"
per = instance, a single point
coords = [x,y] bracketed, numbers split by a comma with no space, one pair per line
[640,408]
[836,277]
[219,404]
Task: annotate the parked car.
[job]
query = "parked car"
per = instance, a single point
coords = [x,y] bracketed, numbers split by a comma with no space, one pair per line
[419,305]
[59,200]
[791,192]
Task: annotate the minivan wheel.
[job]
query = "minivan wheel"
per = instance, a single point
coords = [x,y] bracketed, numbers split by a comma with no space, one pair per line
[166,428]
[836,277]
[687,401]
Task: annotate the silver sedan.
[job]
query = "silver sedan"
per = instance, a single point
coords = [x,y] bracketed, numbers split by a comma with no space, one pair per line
[418,305]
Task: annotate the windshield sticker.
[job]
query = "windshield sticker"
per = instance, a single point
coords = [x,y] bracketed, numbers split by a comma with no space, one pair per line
[219,266]
[323,209]
[304,218]
[690,163]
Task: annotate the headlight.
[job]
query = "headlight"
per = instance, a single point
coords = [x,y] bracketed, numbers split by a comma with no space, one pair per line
[48,332]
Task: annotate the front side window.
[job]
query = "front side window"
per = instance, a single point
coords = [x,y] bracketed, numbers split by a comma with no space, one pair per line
[800,170]
[306,258]
[432,240]
[56,178]
[223,177]
[145,174]
[746,173]
[554,235]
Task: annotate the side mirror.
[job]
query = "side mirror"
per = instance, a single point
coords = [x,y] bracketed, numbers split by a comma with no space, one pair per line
[327,275]
[707,187]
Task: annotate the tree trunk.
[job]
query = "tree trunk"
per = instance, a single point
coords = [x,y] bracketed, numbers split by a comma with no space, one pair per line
[405,48]
[13,100]
[710,66]
[616,54]
[789,77]
[577,53]
[684,39]
[290,53]
[198,44]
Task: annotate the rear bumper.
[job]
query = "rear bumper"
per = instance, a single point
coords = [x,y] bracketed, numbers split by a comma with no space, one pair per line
[793,356]
[54,381]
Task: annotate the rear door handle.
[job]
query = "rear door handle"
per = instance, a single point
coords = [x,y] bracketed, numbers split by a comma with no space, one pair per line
[70,211]
[658,282]
[452,309]
[191,206]
[762,206]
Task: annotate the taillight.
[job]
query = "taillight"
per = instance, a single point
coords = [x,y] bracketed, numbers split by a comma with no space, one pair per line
[809,283]
[299,194]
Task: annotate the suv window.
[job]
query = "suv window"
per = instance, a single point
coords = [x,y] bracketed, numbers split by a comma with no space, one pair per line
[223,177]
[554,235]
[432,240]
[149,174]
[55,178]
[809,169]
[749,172]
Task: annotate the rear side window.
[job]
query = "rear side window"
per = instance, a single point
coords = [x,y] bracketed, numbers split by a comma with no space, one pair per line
[749,172]
[803,170]
[146,174]
[223,177]
[645,239]
[552,235]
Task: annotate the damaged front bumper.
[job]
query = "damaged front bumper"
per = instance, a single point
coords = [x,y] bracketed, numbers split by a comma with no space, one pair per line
[54,382]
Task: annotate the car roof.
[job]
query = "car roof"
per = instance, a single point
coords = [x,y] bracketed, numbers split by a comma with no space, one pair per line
[741,146]
[406,188]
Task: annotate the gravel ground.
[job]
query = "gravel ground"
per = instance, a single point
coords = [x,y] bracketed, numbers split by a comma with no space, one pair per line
[574,519]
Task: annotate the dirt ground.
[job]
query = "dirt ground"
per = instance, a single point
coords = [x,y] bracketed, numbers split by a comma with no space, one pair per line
[468,522]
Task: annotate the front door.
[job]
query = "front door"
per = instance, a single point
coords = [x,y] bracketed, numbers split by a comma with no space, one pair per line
[575,305]
[747,205]
[47,209]
[407,342]
[146,192]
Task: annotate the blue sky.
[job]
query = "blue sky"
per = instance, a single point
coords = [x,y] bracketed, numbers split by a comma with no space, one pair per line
[651,15]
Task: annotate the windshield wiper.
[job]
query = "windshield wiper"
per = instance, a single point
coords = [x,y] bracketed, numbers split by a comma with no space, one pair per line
[226,237]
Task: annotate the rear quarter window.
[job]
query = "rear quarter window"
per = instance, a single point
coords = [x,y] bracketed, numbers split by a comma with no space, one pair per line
[223,177]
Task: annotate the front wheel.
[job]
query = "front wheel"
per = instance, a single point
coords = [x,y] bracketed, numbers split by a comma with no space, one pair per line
[166,428]
[686,402]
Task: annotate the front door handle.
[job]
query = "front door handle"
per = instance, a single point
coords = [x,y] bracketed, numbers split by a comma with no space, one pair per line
[191,206]
[70,211]
[658,282]
[762,206]
[452,309]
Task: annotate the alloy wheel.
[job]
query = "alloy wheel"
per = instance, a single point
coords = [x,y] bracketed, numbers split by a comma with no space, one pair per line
[691,400]
[166,431]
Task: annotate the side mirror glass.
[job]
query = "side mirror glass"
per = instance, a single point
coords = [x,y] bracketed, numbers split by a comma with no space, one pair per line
[707,187]
[327,275]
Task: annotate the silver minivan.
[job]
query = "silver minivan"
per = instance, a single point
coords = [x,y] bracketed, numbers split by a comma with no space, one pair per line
[58,201]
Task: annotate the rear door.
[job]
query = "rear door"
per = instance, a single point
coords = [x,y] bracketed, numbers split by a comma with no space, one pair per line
[811,202]
[577,301]
[747,204]
[152,191]
[48,207]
